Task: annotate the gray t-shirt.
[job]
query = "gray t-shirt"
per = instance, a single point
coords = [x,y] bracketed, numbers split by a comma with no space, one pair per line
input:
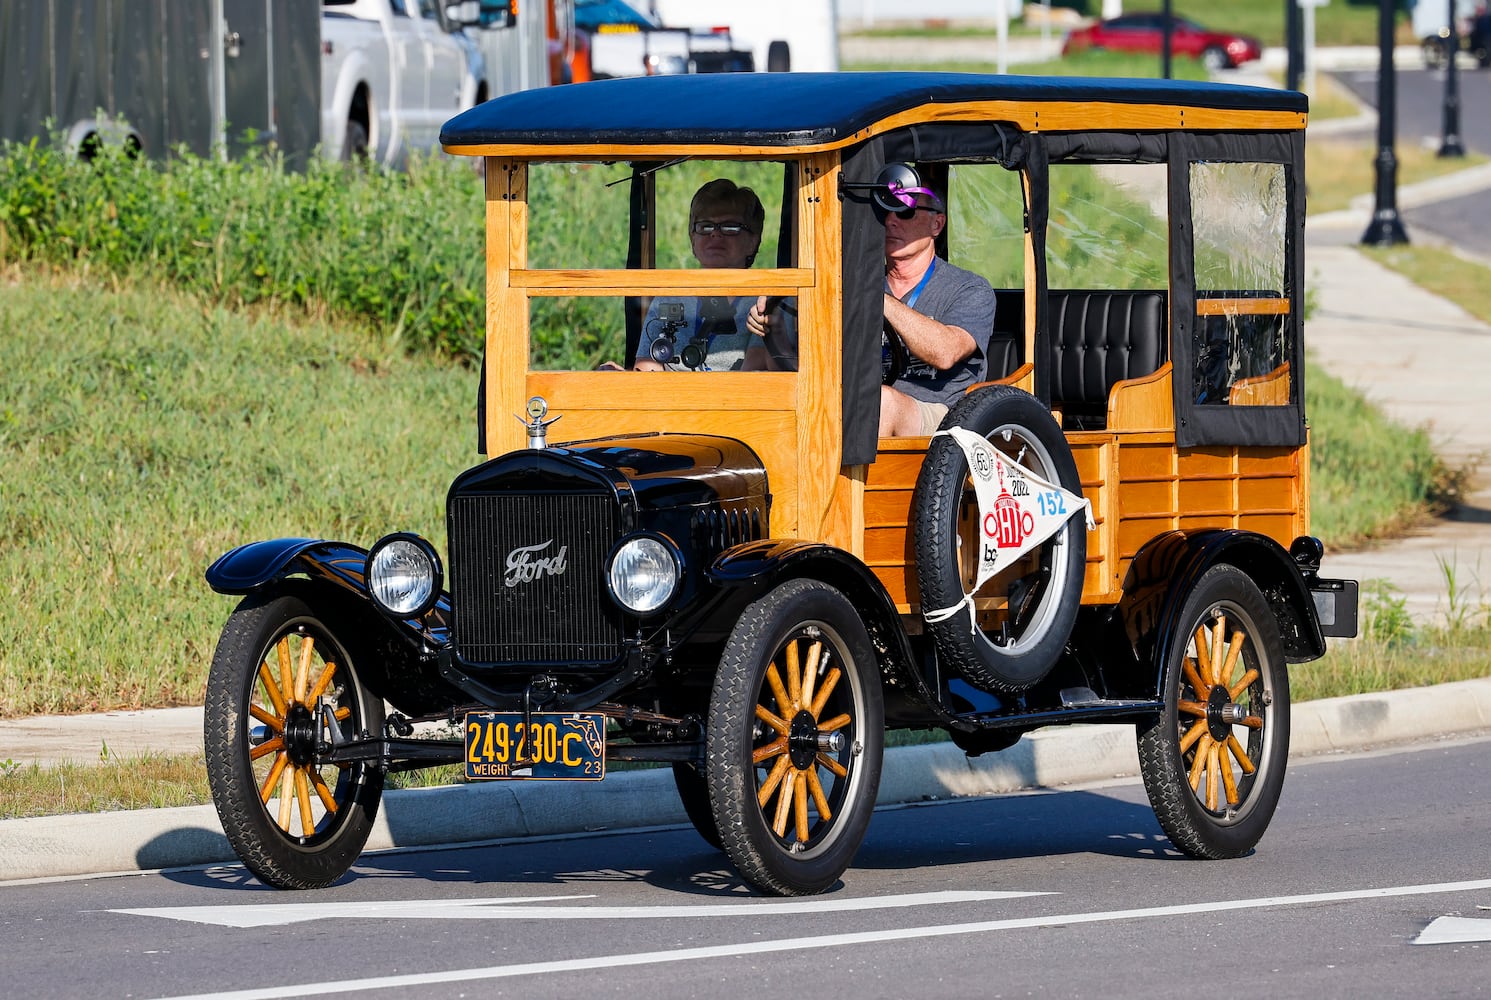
[957,298]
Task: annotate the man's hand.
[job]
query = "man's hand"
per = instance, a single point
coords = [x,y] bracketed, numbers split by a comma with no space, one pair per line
[757,321]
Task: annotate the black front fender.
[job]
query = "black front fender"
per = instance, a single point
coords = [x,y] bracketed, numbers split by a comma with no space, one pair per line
[757,567]
[249,567]
[256,565]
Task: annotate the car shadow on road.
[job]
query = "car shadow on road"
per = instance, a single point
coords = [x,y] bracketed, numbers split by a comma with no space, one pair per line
[947,833]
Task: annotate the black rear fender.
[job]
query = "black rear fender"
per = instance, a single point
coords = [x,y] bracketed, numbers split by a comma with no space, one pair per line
[1167,569]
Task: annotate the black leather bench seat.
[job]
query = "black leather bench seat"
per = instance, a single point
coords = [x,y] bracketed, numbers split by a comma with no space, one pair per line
[1098,337]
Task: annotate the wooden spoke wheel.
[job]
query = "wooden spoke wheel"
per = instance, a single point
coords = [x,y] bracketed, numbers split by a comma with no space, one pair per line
[1213,763]
[796,729]
[281,690]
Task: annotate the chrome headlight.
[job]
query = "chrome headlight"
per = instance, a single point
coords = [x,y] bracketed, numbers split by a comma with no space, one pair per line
[643,574]
[403,574]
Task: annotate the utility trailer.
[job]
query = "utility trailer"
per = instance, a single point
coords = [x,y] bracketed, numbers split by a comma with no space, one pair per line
[215,76]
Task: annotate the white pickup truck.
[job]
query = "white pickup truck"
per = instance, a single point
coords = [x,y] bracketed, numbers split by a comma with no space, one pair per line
[392,72]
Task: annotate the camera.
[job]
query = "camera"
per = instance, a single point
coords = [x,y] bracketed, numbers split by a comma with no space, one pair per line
[670,320]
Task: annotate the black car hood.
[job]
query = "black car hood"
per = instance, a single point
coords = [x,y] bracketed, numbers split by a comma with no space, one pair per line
[657,470]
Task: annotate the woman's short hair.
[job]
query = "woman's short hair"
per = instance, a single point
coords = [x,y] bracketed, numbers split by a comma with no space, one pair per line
[724,193]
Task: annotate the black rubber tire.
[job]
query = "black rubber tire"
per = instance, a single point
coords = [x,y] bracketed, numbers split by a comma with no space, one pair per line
[1215,59]
[778,57]
[693,791]
[1046,583]
[1209,820]
[743,752]
[275,843]
[355,143]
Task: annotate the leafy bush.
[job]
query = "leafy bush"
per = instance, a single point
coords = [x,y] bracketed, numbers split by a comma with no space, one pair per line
[400,251]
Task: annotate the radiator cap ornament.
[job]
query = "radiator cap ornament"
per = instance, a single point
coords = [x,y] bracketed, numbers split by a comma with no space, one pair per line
[537,426]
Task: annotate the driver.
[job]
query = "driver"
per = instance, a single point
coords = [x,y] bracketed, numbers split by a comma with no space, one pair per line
[941,313]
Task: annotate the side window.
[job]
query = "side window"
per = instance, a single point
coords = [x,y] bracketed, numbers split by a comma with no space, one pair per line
[398,8]
[986,223]
[496,14]
[986,235]
[1107,268]
[427,9]
[1241,343]
[1107,226]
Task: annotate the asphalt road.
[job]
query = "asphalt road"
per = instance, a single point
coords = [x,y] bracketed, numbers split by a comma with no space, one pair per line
[1420,121]
[1071,893]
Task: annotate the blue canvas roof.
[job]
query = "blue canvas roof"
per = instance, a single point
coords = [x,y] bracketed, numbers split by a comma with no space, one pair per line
[795,109]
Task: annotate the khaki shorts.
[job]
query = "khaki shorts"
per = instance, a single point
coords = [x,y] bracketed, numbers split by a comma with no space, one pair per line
[931,414]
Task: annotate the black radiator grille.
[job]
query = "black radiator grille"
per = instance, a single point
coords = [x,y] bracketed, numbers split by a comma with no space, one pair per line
[527,578]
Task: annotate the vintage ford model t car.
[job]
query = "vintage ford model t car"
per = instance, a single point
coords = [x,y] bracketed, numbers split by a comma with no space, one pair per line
[730,572]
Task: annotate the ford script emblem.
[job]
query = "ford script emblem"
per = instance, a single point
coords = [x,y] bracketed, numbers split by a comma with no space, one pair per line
[529,563]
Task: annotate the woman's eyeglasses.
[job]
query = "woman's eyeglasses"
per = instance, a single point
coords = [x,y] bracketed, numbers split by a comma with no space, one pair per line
[705,228]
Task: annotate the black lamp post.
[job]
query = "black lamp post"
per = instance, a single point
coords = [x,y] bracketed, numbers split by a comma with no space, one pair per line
[1450,144]
[1294,44]
[1386,228]
[1165,33]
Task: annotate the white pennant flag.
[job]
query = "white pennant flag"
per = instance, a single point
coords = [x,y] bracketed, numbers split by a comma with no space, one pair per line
[1018,510]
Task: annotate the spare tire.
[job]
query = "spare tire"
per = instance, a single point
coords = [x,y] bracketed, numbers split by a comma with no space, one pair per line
[1012,648]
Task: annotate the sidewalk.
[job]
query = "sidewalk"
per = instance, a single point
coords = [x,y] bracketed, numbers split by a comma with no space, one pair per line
[1425,362]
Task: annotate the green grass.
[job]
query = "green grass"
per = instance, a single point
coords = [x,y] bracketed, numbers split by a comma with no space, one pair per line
[1337,170]
[1351,443]
[1340,22]
[1086,64]
[144,432]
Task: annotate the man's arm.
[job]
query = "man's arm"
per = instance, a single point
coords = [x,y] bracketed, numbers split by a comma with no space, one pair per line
[938,344]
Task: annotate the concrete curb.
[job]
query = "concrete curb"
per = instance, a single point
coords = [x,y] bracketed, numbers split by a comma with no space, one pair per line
[108,843]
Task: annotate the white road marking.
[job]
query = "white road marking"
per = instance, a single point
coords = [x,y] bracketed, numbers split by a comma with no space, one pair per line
[1455,930]
[275,914]
[824,941]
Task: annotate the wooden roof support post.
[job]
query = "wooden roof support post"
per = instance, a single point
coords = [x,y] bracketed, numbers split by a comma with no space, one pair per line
[506,358]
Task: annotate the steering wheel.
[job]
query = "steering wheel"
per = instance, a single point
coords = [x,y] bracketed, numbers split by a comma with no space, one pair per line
[892,355]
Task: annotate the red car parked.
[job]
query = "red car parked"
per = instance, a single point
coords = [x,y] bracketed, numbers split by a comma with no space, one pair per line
[1145,33]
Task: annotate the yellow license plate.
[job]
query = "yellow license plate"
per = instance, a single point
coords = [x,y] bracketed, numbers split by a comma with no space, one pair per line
[549,746]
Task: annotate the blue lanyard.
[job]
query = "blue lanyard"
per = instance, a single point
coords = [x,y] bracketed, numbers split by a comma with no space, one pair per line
[921,285]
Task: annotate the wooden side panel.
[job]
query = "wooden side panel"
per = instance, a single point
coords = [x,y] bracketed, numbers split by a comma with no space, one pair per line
[889,485]
[1139,486]
[1142,404]
[1093,456]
